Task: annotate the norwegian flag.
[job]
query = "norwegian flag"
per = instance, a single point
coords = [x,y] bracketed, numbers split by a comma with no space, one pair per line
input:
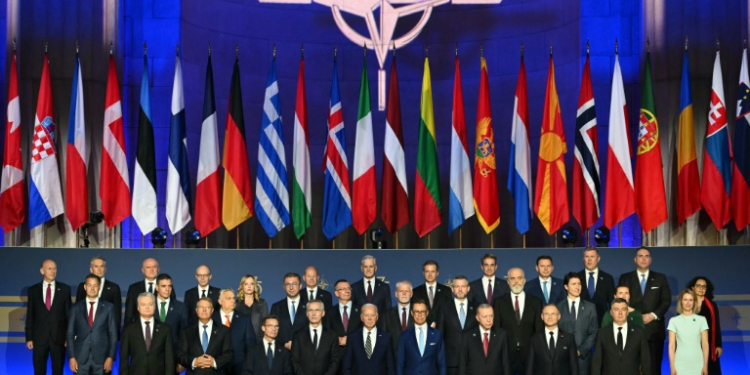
[586,182]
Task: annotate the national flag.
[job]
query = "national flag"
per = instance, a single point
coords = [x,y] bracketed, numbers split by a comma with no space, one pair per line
[619,201]
[271,184]
[208,181]
[461,200]
[740,198]
[114,183]
[364,182]
[76,160]
[12,205]
[519,170]
[586,182]
[717,156]
[178,173]
[688,180]
[486,195]
[427,183]
[394,202]
[337,203]
[301,191]
[237,203]
[649,180]
[551,191]
[144,176]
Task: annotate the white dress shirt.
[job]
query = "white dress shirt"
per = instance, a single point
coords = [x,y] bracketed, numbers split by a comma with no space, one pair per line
[521,301]
[586,277]
[265,346]
[319,330]
[373,336]
[152,282]
[200,291]
[555,335]
[424,329]
[488,281]
[482,331]
[372,282]
[224,316]
[348,306]
[88,307]
[52,290]
[458,303]
[578,304]
[150,326]
[615,329]
[101,287]
[296,304]
[313,290]
[158,305]
[210,327]
[401,311]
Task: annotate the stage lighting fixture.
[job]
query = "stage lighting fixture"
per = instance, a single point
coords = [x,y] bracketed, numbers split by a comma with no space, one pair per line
[159,238]
[376,236]
[601,235]
[193,239]
[569,237]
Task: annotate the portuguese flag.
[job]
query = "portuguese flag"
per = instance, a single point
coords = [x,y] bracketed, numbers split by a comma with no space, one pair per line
[427,185]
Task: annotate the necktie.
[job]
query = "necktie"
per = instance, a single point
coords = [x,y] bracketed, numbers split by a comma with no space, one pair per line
[315,339]
[204,294]
[620,344]
[462,315]
[573,311]
[48,297]
[489,292]
[345,320]
[552,344]
[204,342]
[163,311]
[151,287]
[369,292]
[518,311]
[546,292]
[432,297]
[294,311]
[229,322]
[643,283]
[403,319]
[368,346]
[91,314]
[269,355]
[421,342]
[486,344]
[148,335]
[592,286]
[312,297]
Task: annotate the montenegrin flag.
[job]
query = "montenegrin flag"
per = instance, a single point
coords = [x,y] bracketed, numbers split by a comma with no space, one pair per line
[76,161]
[427,185]
[364,182]
[461,201]
[394,205]
[301,191]
[12,204]
[688,179]
[519,171]
[486,196]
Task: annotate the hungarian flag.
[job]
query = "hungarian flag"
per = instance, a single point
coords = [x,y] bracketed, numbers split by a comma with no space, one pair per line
[649,180]
[688,179]
[208,181]
[144,176]
[76,161]
[12,205]
[740,199]
[364,182]
[237,205]
[394,205]
[301,191]
[717,159]
[586,183]
[114,184]
[519,171]
[551,191]
[427,185]
[619,201]
[486,202]
[461,202]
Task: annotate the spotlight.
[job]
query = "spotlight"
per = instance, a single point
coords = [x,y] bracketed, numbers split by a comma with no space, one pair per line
[159,238]
[376,236]
[193,239]
[601,235]
[96,217]
[569,236]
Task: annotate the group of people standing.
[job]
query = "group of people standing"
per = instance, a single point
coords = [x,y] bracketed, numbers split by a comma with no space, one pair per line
[581,324]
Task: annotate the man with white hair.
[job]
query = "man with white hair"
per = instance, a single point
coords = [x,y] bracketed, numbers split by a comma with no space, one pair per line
[369,289]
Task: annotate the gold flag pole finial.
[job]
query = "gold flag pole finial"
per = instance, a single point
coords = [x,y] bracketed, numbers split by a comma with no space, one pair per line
[617,45]
[588,47]
[274,51]
[111,47]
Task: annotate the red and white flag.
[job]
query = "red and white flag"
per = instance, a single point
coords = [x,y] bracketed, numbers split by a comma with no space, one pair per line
[12,207]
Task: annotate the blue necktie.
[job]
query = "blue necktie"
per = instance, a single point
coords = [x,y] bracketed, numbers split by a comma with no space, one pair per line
[269,354]
[421,342]
[294,312]
[546,293]
[462,316]
[643,283]
[205,338]
[592,289]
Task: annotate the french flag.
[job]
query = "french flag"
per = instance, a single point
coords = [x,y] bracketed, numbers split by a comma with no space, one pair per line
[76,162]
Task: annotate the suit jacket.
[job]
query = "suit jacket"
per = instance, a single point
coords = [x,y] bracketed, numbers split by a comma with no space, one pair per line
[286,328]
[192,296]
[519,334]
[177,318]
[136,360]
[256,362]
[634,360]
[450,327]
[478,292]
[604,292]
[131,301]
[556,290]
[657,299]
[243,338]
[392,325]
[306,360]
[321,295]
[565,361]
[256,312]
[44,326]
[442,296]
[219,347]
[410,361]
[474,362]
[99,341]
[584,328]
[381,294]
[334,321]
[381,362]
[110,293]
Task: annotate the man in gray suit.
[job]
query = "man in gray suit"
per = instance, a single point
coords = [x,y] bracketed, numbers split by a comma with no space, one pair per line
[579,318]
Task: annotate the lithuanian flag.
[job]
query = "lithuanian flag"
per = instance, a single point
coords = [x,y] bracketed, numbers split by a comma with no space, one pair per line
[427,185]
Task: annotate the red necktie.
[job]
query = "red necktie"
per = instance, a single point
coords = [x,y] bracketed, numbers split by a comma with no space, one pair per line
[91,314]
[229,322]
[518,311]
[369,292]
[486,344]
[403,319]
[489,292]
[48,297]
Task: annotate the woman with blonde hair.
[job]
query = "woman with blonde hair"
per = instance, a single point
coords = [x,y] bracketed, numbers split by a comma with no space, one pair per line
[688,338]
[250,303]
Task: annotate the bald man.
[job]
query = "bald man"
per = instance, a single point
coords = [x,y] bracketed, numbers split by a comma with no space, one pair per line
[312,291]
[203,290]
[46,320]
[150,270]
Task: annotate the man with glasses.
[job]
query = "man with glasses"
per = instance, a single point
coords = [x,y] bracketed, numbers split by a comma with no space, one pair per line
[150,270]
[206,346]
[420,348]
[342,318]
[203,290]
[269,357]
[289,311]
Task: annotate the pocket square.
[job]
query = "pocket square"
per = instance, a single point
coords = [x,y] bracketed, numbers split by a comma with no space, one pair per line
[654,287]
[433,343]
[565,348]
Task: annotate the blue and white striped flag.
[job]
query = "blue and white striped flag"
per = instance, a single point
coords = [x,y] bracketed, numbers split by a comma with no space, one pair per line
[178,174]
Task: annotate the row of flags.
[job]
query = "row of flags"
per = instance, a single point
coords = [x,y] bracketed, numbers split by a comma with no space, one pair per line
[724,191]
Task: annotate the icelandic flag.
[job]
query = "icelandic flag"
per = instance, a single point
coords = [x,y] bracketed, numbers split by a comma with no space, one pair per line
[76,161]
[740,199]
[460,204]
[178,177]
[519,172]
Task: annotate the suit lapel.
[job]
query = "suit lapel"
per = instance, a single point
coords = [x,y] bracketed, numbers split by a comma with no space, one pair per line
[99,312]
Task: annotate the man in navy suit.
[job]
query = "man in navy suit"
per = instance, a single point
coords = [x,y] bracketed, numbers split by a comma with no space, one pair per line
[139,356]
[598,286]
[92,332]
[205,347]
[487,288]
[269,357]
[484,349]
[456,318]
[342,318]
[203,290]
[312,291]
[369,289]
[108,290]
[290,310]
[420,348]
[240,326]
[545,287]
[369,351]
[170,311]
[553,351]
[150,270]
[432,291]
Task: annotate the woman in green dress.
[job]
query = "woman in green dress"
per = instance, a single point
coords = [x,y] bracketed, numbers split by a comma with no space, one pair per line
[688,338]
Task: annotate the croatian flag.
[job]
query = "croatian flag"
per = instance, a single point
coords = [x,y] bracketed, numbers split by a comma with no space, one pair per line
[178,177]
[76,162]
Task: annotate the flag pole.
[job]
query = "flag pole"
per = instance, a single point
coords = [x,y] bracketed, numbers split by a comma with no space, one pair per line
[555,238]
[492,240]
[333,244]
[301,243]
[619,234]
[270,243]
[396,235]
[524,240]
[746,234]
[174,240]
[143,241]
[429,236]
[237,233]
[364,241]
[460,237]
[206,238]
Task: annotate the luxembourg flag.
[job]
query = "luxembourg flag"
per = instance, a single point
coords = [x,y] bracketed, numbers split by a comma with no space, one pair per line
[45,197]
[178,177]
[76,162]
[519,173]
[460,204]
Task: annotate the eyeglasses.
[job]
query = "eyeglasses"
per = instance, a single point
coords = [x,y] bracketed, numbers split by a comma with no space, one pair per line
[344,289]
[287,285]
[200,276]
[272,326]
[699,286]
[419,312]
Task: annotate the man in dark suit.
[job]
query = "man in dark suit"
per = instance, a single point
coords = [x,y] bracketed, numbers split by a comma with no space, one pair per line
[150,270]
[170,311]
[546,288]
[420,348]
[315,350]
[203,290]
[147,353]
[434,293]
[108,291]
[484,349]
[46,320]
[553,351]
[92,332]
[650,294]
[240,326]
[398,318]
[369,351]
[579,318]
[621,348]
[206,347]
[269,357]
[487,288]
[290,311]
[369,289]
[599,286]
[313,291]
[456,317]
[342,318]
[520,315]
